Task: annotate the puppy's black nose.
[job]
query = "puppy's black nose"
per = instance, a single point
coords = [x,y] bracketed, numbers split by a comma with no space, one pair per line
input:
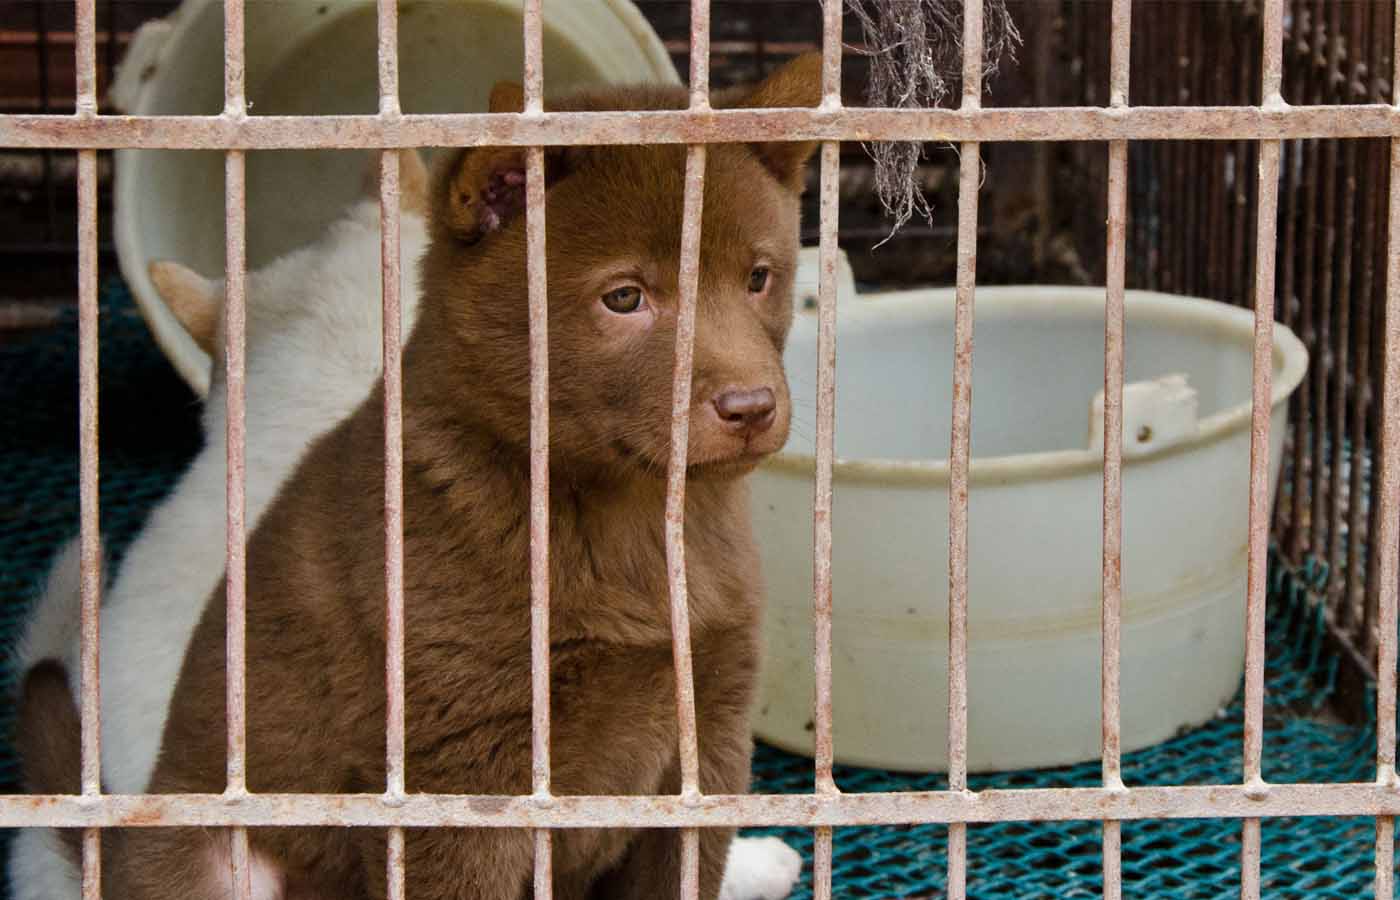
[749,412]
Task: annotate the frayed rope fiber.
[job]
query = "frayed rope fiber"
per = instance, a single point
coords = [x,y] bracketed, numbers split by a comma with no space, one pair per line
[916,49]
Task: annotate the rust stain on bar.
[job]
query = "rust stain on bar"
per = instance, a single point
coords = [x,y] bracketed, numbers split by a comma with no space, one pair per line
[1139,123]
[235,205]
[675,488]
[1230,801]
[393,471]
[825,453]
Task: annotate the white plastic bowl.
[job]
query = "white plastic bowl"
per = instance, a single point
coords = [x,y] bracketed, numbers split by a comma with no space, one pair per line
[1034,528]
[319,57]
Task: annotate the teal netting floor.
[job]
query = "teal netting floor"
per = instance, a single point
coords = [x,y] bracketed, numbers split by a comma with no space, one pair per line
[149,430]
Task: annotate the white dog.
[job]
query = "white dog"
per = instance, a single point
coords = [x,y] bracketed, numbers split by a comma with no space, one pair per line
[313,351]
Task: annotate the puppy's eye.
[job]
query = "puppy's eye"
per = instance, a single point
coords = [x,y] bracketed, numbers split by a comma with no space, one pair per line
[758,280]
[624,300]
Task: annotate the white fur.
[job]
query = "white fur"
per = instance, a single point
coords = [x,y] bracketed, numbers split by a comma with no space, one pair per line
[55,626]
[760,869]
[313,351]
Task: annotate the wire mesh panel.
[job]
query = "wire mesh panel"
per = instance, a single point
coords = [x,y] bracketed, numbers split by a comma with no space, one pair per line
[1271,124]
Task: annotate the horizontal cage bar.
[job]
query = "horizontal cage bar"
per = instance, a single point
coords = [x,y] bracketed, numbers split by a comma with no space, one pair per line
[1139,123]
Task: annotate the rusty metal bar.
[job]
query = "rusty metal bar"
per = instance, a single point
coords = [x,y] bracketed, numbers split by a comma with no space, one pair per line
[1112,600]
[90,538]
[1266,247]
[960,442]
[825,453]
[699,57]
[826,436]
[391,261]
[1229,801]
[388,57]
[235,255]
[689,283]
[235,536]
[1387,539]
[537,281]
[675,505]
[393,498]
[826,417]
[368,132]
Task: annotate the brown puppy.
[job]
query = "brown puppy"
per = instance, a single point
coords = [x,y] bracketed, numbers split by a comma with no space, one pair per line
[315,624]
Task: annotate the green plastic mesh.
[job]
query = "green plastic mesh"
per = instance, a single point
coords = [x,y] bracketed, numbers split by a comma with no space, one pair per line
[150,430]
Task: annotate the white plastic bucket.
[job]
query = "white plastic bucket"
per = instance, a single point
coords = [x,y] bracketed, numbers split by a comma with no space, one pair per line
[1034,528]
[319,57]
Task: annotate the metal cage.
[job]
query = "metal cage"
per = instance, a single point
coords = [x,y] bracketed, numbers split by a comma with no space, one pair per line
[1268,129]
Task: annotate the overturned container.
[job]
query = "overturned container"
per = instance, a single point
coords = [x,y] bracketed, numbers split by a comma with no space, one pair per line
[320,57]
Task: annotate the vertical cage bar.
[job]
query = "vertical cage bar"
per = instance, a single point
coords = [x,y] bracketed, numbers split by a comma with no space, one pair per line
[826,424]
[675,506]
[1387,545]
[680,437]
[389,234]
[1266,246]
[537,279]
[699,54]
[90,539]
[235,251]
[1112,613]
[826,436]
[960,444]
[675,494]
[391,262]
[388,56]
[85,57]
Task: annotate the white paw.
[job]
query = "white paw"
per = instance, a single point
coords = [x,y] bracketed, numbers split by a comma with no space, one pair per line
[762,868]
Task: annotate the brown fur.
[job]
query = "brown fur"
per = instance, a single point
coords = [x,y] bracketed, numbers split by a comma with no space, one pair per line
[50,752]
[315,626]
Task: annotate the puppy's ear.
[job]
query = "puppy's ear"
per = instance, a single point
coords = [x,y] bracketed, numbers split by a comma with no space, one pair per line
[413,181]
[479,191]
[193,299]
[798,83]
